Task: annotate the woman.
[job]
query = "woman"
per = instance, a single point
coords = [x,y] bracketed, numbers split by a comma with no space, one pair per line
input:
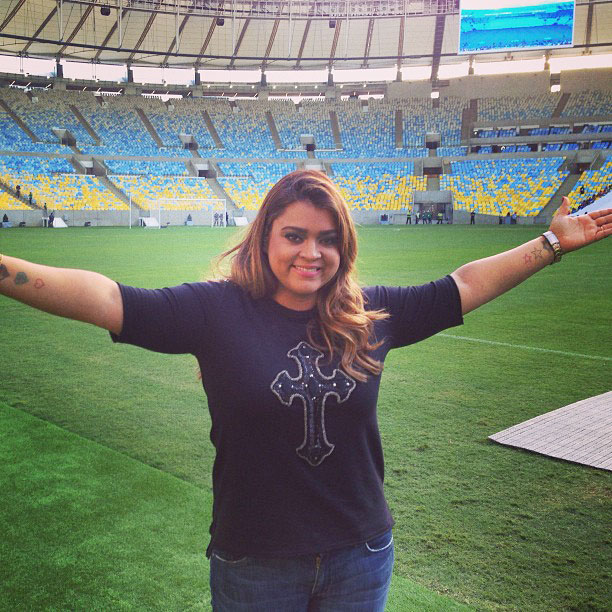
[291,350]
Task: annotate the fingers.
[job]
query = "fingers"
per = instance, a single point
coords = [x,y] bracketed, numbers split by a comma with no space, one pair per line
[564,209]
[603,221]
[602,216]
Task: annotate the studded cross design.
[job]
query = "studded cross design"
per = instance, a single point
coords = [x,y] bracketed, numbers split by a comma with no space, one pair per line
[313,388]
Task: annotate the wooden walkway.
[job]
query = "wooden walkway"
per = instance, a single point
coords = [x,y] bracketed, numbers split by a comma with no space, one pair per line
[580,432]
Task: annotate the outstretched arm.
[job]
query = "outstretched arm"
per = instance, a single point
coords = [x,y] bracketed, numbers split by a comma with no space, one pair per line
[74,294]
[485,279]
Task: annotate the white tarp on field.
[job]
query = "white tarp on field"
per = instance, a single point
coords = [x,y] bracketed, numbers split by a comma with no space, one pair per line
[579,432]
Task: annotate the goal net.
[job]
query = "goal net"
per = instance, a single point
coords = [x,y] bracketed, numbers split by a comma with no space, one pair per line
[189,211]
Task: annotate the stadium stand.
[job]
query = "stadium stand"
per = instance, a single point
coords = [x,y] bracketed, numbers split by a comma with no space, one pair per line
[53,182]
[182,116]
[450,151]
[497,187]
[121,131]
[419,118]
[310,118]
[588,103]
[178,192]
[247,183]
[510,108]
[365,134]
[149,132]
[243,130]
[44,112]
[129,166]
[8,202]
[591,183]
[381,187]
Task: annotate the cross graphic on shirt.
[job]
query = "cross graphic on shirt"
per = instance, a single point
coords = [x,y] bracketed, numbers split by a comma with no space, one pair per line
[313,388]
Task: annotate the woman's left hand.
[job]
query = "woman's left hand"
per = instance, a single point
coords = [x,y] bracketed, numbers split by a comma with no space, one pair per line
[575,232]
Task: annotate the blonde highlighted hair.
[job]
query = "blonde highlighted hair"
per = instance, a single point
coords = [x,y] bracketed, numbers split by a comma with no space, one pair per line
[343,326]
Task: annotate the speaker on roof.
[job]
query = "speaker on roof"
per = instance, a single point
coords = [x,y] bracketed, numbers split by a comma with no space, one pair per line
[105,11]
[220,21]
[332,23]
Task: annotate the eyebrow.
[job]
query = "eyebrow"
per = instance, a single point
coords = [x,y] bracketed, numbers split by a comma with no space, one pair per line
[303,230]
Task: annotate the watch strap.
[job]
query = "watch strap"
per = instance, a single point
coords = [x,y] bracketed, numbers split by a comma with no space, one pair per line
[555,245]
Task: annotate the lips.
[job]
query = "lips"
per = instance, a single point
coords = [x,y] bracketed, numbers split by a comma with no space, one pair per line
[307,271]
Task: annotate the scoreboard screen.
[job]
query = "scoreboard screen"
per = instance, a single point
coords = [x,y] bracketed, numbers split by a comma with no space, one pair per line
[510,25]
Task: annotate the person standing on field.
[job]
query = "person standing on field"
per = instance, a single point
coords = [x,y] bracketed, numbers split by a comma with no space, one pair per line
[299,519]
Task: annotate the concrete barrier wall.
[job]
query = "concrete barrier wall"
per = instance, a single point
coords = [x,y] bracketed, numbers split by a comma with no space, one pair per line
[122,218]
[33,218]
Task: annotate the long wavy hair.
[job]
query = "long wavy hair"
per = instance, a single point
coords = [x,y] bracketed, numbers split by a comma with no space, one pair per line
[343,326]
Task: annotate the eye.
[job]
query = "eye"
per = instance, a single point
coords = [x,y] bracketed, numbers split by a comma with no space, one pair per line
[330,241]
[293,237]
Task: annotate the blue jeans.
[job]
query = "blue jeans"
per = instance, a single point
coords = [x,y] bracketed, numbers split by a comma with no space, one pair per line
[354,579]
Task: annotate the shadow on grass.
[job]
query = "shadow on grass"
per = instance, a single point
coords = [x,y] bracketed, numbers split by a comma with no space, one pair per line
[85,527]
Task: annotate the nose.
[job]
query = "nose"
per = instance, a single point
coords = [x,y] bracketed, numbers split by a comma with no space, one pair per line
[310,249]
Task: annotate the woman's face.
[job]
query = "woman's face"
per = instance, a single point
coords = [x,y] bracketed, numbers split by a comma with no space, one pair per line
[303,253]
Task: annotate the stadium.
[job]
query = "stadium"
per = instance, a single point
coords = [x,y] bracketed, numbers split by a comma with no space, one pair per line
[124,117]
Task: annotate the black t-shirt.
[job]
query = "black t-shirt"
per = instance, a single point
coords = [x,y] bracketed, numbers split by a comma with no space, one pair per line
[299,463]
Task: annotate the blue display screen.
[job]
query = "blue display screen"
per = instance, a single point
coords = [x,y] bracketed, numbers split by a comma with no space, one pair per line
[507,25]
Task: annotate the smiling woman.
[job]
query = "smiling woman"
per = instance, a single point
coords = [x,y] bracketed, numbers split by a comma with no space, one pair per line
[291,349]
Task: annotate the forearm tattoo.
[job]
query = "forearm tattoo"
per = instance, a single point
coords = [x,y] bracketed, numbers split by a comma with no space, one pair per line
[21,278]
[536,254]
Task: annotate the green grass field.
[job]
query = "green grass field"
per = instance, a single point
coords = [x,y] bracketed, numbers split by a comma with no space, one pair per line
[105,461]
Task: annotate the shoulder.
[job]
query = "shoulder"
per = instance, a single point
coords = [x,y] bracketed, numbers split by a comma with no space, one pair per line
[393,298]
[214,291]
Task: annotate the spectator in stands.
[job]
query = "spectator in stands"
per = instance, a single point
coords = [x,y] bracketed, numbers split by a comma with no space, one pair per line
[473,217]
[30,198]
[18,190]
[297,487]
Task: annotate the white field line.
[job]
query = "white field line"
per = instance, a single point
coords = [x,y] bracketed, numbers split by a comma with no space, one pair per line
[529,348]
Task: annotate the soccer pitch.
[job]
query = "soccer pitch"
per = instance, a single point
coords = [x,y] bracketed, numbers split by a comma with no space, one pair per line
[106,461]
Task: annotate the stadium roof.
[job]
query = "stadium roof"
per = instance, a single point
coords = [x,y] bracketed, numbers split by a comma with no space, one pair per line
[240,34]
